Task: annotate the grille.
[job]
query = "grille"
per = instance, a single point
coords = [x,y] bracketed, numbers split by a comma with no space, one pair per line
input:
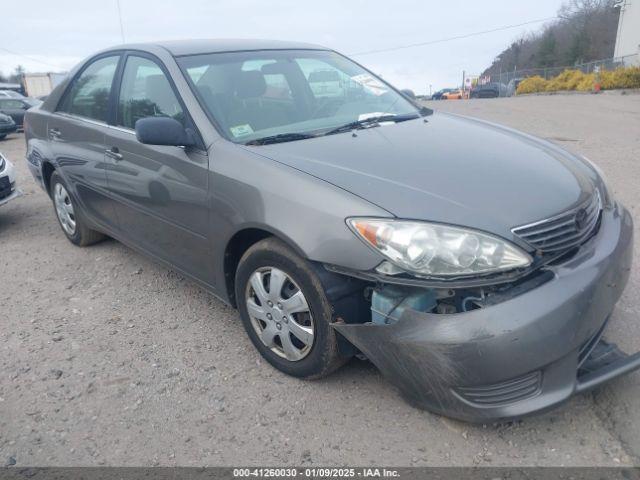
[511,391]
[563,231]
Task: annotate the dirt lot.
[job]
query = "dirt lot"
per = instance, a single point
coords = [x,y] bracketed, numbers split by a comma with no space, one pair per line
[109,359]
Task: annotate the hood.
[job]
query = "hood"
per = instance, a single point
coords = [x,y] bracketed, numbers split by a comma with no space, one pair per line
[450,169]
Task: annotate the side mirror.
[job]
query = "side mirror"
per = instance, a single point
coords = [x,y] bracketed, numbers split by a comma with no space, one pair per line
[426,111]
[163,131]
[408,93]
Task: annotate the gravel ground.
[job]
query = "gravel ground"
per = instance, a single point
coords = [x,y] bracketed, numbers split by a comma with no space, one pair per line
[109,359]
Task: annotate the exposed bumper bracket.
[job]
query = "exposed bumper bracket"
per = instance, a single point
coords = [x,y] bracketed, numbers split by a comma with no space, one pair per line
[605,362]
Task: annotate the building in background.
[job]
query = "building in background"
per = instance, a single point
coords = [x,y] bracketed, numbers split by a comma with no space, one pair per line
[41,84]
[628,36]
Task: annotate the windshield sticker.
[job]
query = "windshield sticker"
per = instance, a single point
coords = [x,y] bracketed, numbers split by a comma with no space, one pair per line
[241,130]
[370,83]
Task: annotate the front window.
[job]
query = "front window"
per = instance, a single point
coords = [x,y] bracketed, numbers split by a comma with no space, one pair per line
[146,92]
[259,94]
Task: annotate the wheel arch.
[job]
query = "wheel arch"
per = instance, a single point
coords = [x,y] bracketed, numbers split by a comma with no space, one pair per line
[47,172]
[239,243]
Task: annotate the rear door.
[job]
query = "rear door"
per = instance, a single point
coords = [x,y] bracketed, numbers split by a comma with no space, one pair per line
[160,191]
[76,133]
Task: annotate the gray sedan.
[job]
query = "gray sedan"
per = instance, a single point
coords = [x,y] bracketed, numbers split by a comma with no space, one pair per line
[474,265]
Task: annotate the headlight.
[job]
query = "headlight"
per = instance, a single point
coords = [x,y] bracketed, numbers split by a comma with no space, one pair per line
[433,249]
[2,163]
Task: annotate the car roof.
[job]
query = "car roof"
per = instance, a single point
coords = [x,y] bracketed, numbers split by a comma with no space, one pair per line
[196,47]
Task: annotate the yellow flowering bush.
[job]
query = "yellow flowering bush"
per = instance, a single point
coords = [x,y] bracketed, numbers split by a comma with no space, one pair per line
[623,77]
[532,85]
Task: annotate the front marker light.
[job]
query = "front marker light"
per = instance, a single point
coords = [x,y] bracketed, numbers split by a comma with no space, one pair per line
[432,249]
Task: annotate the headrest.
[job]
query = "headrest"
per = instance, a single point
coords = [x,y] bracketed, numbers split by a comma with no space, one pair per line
[250,84]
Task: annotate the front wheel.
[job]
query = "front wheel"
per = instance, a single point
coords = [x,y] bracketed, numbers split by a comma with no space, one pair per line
[285,311]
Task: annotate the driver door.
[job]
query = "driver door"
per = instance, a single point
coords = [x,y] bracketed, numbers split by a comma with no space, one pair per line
[160,192]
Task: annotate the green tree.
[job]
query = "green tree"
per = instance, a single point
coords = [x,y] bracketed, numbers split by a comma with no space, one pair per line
[547,54]
[17,75]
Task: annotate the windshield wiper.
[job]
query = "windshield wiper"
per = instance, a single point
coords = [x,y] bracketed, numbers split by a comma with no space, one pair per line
[280,138]
[372,122]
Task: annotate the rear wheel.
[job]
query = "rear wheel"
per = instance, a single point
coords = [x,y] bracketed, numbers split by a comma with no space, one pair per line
[285,311]
[70,219]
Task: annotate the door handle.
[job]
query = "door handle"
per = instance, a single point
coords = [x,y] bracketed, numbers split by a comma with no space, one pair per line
[114,152]
[54,134]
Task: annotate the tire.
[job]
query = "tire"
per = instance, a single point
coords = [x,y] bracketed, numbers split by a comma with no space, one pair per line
[320,356]
[72,222]
[3,136]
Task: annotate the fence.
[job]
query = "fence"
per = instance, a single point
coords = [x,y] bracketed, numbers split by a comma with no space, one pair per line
[549,72]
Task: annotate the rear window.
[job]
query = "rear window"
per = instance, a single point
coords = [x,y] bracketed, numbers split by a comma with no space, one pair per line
[89,94]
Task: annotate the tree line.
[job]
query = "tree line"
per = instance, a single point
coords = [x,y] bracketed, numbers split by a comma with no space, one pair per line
[585,30]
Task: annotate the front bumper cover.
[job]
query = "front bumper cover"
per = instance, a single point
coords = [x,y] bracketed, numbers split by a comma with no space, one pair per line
[519,356]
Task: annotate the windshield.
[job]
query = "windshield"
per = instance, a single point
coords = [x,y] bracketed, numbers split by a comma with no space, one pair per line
[259,94]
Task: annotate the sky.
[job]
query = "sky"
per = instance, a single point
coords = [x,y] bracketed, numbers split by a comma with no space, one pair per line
[54,36]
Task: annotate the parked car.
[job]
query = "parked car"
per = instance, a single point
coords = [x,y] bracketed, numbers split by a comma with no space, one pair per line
[7,125]
[8,188]
[16,108]
[10,94]
[489,90]
[512,86]
[477,275]
[457,94]
[438,95]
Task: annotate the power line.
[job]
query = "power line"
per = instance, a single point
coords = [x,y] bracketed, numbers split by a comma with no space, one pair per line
[448,39]
[11,52]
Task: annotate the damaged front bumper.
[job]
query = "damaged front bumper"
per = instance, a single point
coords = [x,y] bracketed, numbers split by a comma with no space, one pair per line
[523,355]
